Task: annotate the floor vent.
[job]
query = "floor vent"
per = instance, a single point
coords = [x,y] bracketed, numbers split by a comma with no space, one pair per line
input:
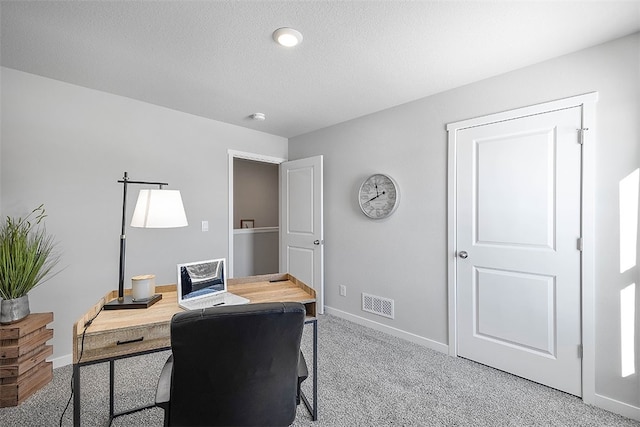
[377,305]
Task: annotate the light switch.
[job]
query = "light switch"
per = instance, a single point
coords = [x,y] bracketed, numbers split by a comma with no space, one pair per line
[205,225]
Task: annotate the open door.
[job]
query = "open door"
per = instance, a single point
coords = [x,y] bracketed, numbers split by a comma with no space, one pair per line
[301,223]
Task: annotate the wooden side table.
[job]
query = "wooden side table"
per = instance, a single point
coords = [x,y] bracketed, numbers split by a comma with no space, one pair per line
[23,353]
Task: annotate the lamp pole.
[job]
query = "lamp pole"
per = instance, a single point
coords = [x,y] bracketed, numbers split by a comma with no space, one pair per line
[123,237]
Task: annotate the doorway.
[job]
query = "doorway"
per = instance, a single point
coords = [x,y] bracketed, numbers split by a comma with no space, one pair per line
[253,214]
[255,211]
[519,199]
[301,237]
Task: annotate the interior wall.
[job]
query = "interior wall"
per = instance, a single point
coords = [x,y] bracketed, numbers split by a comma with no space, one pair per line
[405,256]
[67,146]
[255,193]
[256,251]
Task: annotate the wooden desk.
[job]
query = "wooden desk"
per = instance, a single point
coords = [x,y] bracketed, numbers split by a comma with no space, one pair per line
[115,334]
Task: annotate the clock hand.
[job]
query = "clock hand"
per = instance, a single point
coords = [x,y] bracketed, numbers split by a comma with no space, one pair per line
[375,197]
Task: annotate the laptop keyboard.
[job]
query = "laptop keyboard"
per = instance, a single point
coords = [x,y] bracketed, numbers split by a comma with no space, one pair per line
[205,303]
[217,301]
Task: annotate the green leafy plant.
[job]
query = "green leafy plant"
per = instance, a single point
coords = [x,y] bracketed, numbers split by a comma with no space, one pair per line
[27,254]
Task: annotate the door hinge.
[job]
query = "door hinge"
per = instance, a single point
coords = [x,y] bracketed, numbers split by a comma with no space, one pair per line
[580,351]
[580,245]
[581,135]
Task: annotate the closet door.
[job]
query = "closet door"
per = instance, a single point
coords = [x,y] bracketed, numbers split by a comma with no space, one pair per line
[518,284]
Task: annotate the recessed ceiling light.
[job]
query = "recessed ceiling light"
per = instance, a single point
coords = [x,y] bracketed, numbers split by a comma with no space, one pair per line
[258,116]
[287,37]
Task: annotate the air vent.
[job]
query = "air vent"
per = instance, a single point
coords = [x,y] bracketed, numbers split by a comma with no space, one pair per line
[377,305]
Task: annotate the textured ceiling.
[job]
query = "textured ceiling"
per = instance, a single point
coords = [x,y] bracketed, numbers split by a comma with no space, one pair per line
[217,59]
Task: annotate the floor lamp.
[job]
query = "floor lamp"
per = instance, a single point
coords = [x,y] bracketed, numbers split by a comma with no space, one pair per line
[154,209]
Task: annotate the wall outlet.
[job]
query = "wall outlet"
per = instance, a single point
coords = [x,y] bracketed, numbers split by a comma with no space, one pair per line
[205,225]
[343,290]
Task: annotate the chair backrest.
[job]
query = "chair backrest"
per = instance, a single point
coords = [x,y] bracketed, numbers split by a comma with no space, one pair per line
[236,365]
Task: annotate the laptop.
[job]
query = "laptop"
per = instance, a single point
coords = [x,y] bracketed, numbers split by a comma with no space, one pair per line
[203,284]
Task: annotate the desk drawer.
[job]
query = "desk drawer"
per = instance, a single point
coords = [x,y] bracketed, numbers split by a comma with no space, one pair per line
[123,342]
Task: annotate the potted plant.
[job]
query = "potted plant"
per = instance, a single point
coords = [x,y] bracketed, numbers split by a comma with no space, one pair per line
[27,258]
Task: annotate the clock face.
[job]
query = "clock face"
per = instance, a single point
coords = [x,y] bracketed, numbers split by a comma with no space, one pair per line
[378,196]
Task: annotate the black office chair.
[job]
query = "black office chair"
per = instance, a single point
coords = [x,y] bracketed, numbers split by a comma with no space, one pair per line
[234,366]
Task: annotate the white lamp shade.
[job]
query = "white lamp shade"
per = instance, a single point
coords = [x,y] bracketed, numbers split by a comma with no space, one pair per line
[159,209]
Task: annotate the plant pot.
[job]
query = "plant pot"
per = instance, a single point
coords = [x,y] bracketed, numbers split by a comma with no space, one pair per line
[14,310]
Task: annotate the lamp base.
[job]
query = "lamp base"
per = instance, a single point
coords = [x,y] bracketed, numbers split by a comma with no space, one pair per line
[129,303]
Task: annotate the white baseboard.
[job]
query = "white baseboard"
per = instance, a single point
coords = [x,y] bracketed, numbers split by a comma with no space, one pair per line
[617,407]
[61,361]
[433,345]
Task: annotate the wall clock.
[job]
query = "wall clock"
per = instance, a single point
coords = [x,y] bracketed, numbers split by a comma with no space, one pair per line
[378,196]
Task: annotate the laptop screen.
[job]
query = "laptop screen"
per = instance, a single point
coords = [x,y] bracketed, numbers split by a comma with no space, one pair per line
[201,278]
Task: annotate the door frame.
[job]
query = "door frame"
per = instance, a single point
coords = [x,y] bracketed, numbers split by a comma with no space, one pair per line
[233,154]
[587,102]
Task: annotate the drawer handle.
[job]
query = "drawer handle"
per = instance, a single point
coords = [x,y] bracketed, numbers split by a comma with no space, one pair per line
[130,341]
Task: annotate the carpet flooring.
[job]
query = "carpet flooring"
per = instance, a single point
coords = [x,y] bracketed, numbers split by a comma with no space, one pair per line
[366,378]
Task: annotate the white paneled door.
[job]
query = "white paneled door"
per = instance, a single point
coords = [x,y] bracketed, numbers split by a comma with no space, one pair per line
[301,223]
[517,246]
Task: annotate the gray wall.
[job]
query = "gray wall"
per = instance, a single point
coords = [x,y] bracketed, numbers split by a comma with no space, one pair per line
[255,193]
[404,257]
[66,146]
[256,251]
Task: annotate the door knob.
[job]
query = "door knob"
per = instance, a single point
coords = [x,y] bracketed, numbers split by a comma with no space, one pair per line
[316,242]
[463,254]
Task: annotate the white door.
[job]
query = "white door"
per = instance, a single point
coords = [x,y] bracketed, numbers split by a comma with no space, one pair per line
[301,223]
[517,245]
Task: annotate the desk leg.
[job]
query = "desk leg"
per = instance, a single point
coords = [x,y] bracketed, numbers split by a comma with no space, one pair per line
[313,409]
[112,406]
[315,370]
[76,395]
[111,381]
